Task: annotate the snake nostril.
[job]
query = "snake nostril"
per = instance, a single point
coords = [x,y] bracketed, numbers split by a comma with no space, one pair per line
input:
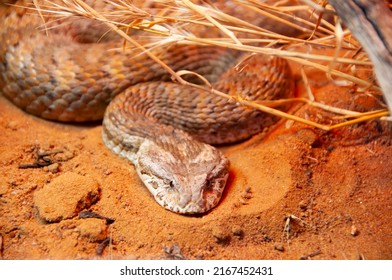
[208,185]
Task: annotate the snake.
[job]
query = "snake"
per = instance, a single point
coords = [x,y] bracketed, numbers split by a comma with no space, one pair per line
[77,71]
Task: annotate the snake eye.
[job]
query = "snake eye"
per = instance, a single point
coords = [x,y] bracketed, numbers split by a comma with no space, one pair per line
[171,184]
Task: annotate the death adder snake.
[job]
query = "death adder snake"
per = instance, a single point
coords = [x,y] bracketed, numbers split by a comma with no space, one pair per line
[72,73]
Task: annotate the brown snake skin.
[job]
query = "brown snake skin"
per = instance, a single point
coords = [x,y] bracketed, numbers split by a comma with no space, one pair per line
[160,126]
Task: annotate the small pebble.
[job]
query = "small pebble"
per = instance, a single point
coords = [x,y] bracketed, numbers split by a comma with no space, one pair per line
[237,231]
[173,252]
[279,247]
[54,168]
[92,229]
[220,236]
[13,125]
[303,205]
[247,193]
[354,231]
[107,171]
[67,155]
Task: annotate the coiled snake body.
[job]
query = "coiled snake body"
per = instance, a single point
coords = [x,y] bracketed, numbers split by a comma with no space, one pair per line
[160,126]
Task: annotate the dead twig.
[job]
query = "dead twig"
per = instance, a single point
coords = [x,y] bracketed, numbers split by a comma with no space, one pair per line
[90,214]
[311,255]
[102,246]
[42,159]
[288,225]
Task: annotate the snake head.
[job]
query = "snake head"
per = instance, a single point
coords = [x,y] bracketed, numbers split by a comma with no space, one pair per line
[186,178]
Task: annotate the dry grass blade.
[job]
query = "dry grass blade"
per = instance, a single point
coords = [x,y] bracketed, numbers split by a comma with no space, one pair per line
[176,17]
[204,12]
[100,17]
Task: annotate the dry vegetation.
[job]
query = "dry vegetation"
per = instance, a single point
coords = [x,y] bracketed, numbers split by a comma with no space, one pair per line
[309,40]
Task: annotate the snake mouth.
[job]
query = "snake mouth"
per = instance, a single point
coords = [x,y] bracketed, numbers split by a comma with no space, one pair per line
[190,209]
[188,203]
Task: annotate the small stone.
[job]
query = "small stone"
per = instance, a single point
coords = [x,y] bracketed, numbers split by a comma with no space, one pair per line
[67,155]
[303,215]
[247,193]
[54,168]
[65,196]
[173,252]
[13,125]
[95,230]
[303,205]
[354,231]
[107,171]
[237,231]
[266,238]
[279,247]
[330,148]
[220,236]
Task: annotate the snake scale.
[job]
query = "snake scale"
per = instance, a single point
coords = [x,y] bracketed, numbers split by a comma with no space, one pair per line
[74,74]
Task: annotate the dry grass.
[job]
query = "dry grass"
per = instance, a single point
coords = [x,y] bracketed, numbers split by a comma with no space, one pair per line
[173,21]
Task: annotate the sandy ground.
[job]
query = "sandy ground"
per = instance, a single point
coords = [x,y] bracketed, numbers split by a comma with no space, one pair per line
[295,193]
